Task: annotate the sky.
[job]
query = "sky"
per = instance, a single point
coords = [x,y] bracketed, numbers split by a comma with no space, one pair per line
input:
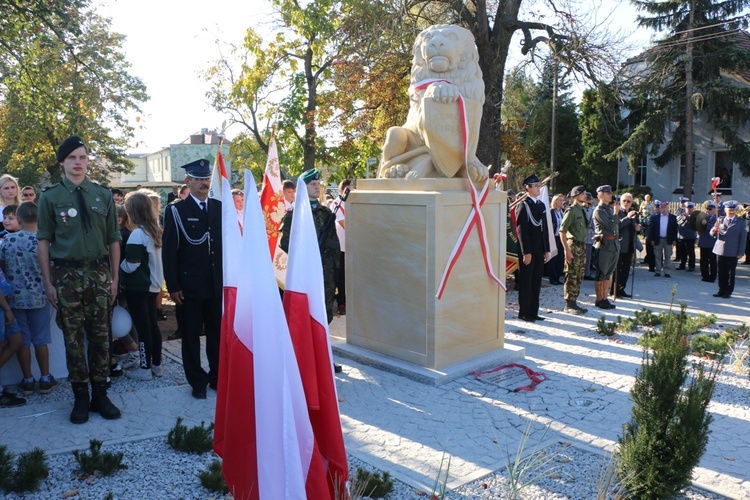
[168,43]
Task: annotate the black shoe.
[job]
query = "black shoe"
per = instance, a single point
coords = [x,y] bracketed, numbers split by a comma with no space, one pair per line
[539,318]
[160,316]
[9,399]
[623,293]
[342,310]
[681,268]
[657,274]
[524,318]
[177,335]
[706,280]
[199,393]
[726,296]
[667,275]
[101,404]
[718,294]
[603,304]
[337,368]
[691,270]
[80,412]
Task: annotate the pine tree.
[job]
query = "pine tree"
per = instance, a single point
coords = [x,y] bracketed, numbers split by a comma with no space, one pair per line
[669,425]
[601,133]
[702,34]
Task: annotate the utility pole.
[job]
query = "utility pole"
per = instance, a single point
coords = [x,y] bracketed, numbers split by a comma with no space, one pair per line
[553,138]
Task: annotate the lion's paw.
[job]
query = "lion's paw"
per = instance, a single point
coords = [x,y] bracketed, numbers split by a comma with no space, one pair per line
[478,173]
[397,171]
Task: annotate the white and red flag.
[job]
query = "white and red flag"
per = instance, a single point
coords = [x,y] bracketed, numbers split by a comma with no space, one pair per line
[263,430]
[272,197]
[715,181]
[304,305]
[219,172]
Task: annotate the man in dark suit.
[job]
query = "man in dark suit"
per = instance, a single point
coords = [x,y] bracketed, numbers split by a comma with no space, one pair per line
[192,258]
[662,234]
[629,228]
[731,235]
[533,241]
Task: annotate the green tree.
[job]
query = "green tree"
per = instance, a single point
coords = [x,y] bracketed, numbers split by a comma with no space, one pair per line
[601,134]
[281,81]
[685,77]
[68,79]
[669,425]
[538,138]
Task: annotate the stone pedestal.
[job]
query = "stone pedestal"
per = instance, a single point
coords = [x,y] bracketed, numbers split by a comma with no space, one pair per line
[399,237]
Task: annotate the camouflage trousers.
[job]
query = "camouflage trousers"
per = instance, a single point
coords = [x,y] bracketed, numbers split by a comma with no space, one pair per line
[574,271]
[83,306]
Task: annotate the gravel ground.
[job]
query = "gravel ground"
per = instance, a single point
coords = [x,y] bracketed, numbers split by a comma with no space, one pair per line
[154,470]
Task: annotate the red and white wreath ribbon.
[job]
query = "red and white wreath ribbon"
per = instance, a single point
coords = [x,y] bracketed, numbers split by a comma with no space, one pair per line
[475,216]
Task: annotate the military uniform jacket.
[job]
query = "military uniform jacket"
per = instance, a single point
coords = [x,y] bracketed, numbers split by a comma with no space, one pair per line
[60,221]
[331,248]
[531,220]
[607,225]
[731,237]
[575,224]
[191,249]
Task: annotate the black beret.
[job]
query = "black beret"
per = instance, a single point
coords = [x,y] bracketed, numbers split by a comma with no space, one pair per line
[68,146]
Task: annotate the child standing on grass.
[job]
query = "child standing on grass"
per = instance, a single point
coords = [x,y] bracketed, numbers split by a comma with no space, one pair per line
[143,277]
[28,301]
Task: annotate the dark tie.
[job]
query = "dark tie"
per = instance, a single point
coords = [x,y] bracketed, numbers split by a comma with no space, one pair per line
[84,211]
[203,205]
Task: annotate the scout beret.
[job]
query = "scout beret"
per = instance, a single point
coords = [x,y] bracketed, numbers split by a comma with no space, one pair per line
[604,189]
[68,146]
[310,175]
[198,169]
[576,191]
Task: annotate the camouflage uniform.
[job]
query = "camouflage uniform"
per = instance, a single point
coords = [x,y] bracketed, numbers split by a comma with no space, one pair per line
[330,253]
[81,274]
[574,227]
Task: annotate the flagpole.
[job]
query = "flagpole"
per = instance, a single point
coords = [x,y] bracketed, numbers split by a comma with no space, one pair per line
[523,196]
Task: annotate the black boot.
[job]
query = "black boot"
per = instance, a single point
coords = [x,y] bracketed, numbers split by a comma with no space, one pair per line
[100,402]
[571,307]
[80,413]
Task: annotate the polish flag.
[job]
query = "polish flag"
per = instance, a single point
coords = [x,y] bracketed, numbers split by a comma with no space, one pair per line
[272,198]
[715,181]
[219,172]
[304,304]
[263,430]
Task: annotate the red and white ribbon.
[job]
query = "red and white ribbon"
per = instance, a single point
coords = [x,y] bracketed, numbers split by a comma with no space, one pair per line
[475,215]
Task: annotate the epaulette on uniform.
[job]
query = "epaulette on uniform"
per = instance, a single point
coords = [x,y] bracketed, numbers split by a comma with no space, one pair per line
[50,186]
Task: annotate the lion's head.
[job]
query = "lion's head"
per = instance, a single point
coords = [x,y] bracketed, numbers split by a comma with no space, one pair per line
[448,52]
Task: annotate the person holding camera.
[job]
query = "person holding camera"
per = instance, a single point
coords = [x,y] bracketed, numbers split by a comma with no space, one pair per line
[629,228]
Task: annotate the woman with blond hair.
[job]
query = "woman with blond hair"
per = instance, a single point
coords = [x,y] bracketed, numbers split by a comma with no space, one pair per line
[144,277]
[556,264]
[9,191]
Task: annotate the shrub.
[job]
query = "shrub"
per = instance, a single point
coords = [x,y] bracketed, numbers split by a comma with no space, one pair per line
[96,462]
[646,317]
[375,486]
[669,425]
[605,328]
[30,468]
[705,345]
[198,439]
[212,479]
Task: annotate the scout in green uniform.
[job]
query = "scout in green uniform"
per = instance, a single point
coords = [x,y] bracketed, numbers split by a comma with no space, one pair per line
[330,249]
[78,235]
[574,230]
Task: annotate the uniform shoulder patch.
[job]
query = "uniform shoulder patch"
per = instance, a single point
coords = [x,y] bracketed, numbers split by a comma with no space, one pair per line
[50,187]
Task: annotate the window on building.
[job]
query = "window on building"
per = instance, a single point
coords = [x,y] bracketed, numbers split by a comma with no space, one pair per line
[723,169]
[641,171]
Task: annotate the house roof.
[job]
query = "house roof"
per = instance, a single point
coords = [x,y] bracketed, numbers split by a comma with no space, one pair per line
[740,38]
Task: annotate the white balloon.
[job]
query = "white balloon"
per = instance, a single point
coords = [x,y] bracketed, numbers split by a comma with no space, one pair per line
[121,322]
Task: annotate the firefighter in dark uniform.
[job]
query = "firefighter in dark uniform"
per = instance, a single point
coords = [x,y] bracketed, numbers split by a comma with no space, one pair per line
[192,258]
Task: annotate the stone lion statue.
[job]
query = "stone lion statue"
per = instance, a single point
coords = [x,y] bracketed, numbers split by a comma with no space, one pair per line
[430,143]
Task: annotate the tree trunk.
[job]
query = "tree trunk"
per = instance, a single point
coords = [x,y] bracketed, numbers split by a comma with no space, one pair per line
[687,188]
[308,147]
